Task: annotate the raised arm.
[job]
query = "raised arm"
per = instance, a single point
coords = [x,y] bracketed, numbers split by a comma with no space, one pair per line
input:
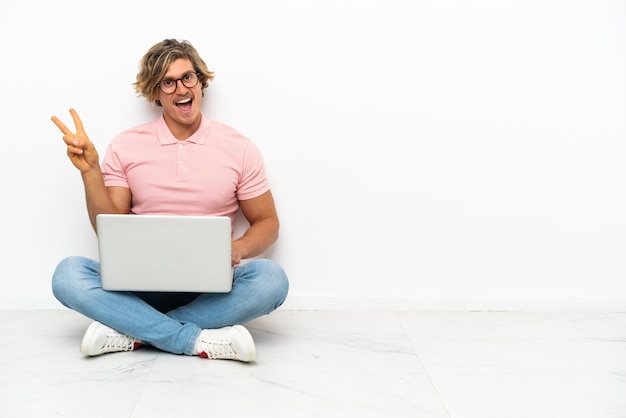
[83,154]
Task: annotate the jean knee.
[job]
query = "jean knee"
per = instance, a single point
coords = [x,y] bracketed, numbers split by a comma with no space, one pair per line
[60,277]
[279,280]
[70,275]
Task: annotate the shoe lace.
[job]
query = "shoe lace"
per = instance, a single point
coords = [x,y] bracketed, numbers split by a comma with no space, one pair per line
[217,349]
[119,342]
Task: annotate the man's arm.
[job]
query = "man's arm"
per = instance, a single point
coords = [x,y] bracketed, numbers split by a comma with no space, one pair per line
[260,212]
[101,199]
[83,154]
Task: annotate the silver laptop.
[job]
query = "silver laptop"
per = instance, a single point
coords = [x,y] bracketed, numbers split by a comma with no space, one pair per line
[164,253]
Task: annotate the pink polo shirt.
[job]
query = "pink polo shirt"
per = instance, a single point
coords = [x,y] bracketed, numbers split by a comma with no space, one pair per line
[204,175]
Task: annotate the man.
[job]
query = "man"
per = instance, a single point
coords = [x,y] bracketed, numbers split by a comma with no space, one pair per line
[140,174]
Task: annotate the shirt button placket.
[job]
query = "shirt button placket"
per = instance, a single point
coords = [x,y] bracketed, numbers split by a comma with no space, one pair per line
[181,162]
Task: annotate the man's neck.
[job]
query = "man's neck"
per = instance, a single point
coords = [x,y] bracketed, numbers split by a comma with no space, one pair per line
[181,131]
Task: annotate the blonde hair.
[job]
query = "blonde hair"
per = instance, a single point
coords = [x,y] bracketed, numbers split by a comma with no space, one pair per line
[156,61]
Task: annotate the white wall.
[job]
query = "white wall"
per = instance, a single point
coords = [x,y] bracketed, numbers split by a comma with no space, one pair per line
[466,155]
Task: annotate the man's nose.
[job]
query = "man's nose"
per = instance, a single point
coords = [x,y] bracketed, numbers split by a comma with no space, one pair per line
[181,84]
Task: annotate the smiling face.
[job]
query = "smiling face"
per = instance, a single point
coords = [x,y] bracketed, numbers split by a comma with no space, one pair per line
[181,109]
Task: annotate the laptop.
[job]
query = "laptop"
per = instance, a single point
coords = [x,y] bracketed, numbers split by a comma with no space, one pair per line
[165,253]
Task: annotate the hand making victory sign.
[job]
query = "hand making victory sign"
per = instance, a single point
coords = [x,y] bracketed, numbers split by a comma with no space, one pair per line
[82,153]
[80,149]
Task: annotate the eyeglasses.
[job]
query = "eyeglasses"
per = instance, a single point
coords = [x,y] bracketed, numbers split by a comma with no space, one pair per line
[169,85]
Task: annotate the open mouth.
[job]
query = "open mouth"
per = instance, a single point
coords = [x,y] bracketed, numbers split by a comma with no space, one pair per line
[184,104]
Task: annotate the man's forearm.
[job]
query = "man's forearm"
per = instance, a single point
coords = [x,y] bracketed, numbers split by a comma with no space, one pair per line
[96,196]
[258,238]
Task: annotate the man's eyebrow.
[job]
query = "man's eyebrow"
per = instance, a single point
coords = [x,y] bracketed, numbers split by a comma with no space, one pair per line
[173,77]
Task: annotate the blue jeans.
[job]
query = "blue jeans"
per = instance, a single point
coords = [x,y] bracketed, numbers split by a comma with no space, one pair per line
[170,321]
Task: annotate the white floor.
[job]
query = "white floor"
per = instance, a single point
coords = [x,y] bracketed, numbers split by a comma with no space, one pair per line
[331,364]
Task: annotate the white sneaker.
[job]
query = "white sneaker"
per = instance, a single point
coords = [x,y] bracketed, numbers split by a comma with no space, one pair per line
[100,339]
[229,343]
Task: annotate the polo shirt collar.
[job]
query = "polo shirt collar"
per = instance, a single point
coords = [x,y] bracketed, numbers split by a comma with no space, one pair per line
[166,137]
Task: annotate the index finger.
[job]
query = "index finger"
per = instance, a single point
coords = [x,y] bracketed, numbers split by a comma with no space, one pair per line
[61,125]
